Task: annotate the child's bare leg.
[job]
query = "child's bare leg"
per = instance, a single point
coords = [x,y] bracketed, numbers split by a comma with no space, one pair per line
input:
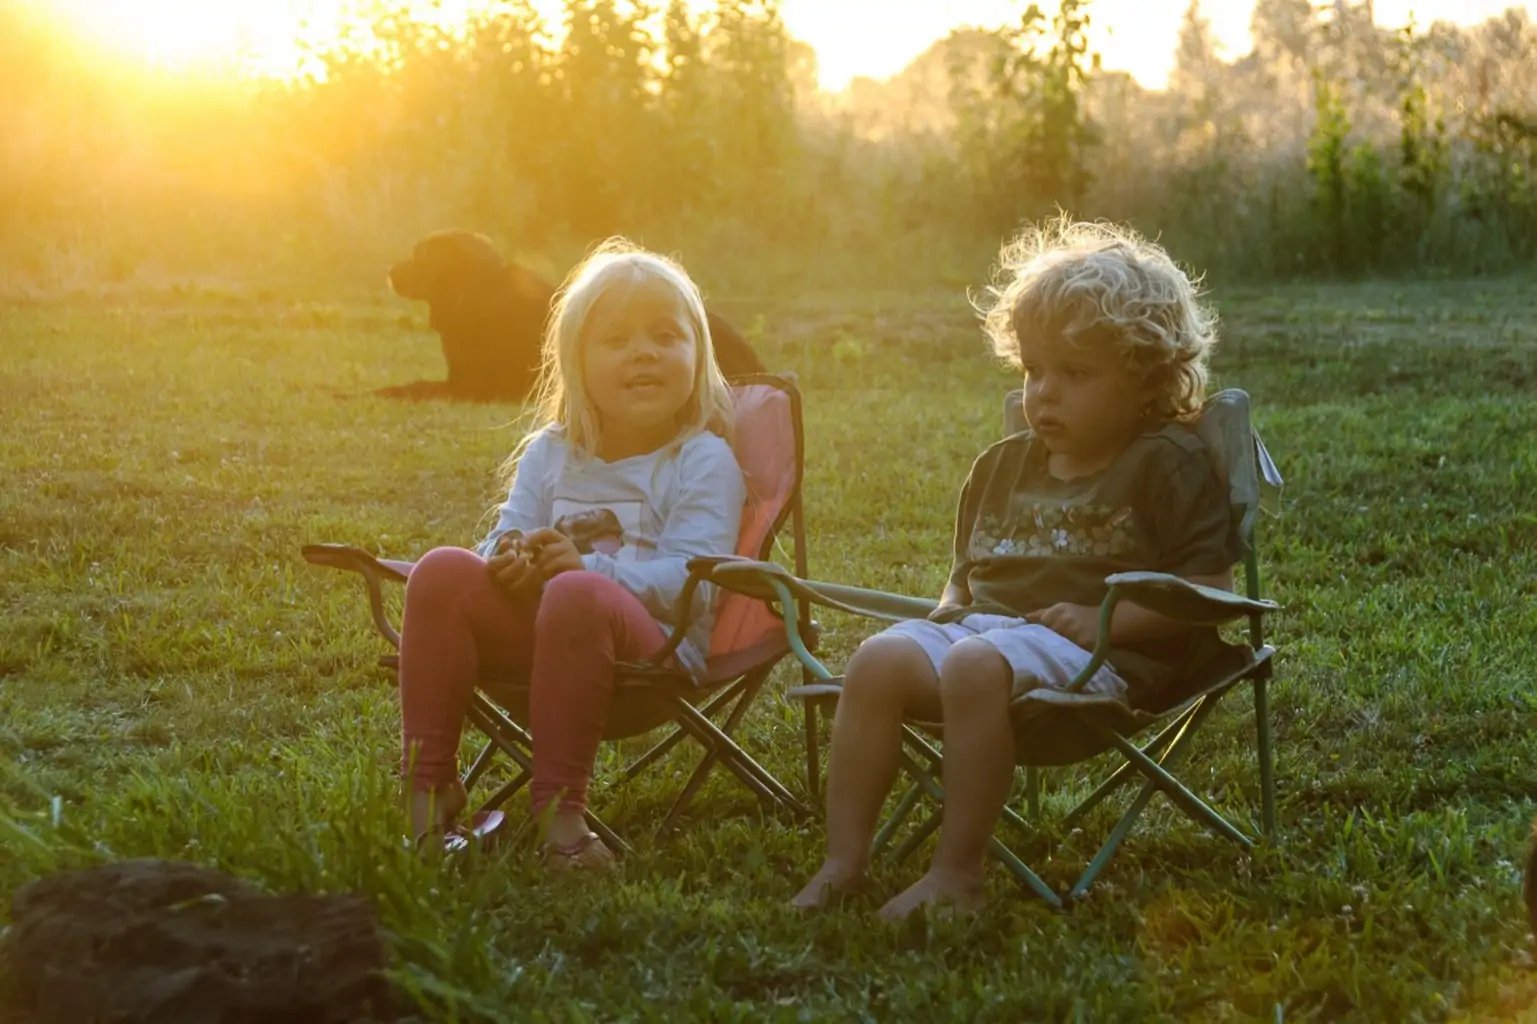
[975,684]
[886,675]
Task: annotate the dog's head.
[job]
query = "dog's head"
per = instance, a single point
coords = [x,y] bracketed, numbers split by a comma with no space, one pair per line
[444,267]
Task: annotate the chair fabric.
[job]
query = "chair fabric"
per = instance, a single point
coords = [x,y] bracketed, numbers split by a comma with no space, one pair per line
[768,449]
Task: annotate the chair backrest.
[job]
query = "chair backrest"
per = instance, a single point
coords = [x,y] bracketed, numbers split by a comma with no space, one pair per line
[770,449]
[1254,482]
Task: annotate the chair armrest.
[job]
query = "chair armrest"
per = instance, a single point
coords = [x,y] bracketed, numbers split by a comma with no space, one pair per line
[757,579]
[1182,600]
[1167,595]
[354,559]
[373,570]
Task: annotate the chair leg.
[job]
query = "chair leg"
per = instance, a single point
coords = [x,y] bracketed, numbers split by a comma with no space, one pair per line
[1266,762]
[1126,772]
[661,749]
[916,741]
[505,793]
[915,839]
[903,811]
[1177,791]
[1017,867]
[478,766]
[1112,842]
[609,837]
[1140,802]
[696,779]
[720,747]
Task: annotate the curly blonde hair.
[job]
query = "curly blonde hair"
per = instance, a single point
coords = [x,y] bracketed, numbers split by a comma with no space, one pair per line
[1100,282]
[561,399]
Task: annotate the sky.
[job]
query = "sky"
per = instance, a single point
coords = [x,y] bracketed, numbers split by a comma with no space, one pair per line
[876,38]
[1137,36]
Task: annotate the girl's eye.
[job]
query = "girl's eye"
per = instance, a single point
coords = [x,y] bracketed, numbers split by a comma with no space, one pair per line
[1077,372]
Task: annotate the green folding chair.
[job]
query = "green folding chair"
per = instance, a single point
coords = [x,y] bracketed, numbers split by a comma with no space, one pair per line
[1072,726]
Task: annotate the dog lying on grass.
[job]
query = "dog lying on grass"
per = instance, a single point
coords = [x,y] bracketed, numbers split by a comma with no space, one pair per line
[490,317]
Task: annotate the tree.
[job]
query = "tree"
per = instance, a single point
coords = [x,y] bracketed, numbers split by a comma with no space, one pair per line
[1025,138]
[1282,30]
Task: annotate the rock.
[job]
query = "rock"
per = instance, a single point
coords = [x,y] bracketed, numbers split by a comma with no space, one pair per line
[174,943]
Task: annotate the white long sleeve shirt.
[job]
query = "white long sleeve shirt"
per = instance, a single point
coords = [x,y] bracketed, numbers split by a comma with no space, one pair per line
[637,521]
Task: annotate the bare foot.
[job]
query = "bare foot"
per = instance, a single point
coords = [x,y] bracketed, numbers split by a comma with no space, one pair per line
[959,893]
[831,879]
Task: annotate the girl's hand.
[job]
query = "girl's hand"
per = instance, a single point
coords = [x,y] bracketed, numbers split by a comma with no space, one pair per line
[510,567]
[1078,622]
[552,552]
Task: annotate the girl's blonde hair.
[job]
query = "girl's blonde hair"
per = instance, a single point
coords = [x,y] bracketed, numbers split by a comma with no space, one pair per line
[560,395]
[1103,283]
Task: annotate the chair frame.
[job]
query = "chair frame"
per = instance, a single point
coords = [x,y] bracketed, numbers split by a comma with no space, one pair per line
[708,712]
[921,759]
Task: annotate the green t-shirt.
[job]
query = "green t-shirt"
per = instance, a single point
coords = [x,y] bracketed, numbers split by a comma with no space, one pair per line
[1025,540]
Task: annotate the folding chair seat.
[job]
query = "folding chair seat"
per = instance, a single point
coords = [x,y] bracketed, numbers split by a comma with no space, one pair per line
[747,640]
[1058,728]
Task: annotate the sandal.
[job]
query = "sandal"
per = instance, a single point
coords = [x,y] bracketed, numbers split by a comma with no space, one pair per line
[588,853]
[480,833]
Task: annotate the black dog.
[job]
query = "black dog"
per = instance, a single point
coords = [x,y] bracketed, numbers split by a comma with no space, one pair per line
[490,315]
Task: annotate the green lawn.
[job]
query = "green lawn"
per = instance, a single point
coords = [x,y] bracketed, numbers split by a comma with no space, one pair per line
[189,687]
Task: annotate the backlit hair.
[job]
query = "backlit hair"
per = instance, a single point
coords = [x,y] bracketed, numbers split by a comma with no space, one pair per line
[561,400]
[1102,283]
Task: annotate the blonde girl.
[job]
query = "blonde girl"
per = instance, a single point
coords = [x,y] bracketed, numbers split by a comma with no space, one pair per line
[626,474]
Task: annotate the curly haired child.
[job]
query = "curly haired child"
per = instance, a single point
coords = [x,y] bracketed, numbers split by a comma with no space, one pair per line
[1112,340]
[627,476]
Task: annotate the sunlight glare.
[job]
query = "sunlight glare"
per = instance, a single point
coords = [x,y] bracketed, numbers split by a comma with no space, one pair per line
[181,33]
[264,37]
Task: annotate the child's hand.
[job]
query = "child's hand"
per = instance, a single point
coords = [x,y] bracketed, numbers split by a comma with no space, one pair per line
[509,567]
[552,552]
[1078,622]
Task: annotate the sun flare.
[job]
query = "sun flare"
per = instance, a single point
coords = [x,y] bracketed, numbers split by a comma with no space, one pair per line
[266,37]
[184,33]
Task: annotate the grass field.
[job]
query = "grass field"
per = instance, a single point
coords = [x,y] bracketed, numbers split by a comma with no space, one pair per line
[189,687]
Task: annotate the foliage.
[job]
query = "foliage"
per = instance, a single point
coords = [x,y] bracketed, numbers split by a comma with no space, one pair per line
[1023,138]
[1337,146]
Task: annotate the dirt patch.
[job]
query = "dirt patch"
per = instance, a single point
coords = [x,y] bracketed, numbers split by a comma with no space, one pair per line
[174,943]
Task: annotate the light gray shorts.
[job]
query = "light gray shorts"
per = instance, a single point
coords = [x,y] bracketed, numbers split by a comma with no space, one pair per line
[1039,657]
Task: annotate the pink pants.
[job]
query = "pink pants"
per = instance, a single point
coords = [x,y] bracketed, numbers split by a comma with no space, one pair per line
[459,626]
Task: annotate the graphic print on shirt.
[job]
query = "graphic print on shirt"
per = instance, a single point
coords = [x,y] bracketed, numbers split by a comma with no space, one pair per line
[1047,529]
[607,527]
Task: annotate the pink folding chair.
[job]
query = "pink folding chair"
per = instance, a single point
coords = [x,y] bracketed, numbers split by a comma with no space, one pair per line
[748,638]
